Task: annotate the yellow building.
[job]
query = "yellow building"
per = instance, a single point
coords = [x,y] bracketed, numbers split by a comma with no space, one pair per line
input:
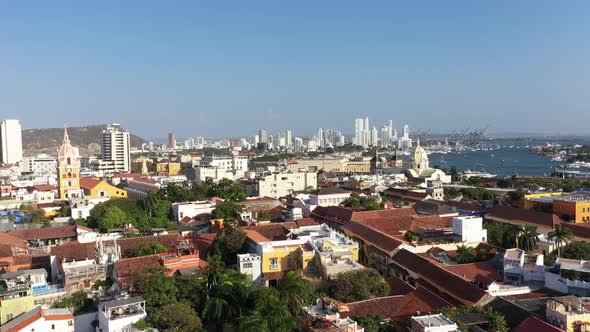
[573,208]
[14,302]
[94,187]
[358,166]
[529,202]
[568,313]
[68,170]
[168,168]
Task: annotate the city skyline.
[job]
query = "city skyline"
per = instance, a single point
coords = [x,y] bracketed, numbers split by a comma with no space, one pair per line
[157,68]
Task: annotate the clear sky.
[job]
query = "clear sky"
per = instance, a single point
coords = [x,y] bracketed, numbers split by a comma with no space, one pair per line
[222,68]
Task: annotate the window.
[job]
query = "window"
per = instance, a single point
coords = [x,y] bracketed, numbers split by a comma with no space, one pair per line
[274,263]
[70,323]
[69,161]
[8,317]
[247,265]
[289,262]
[53,326]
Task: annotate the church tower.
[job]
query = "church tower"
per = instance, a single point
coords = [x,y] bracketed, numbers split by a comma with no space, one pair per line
[68,169]
[419,159]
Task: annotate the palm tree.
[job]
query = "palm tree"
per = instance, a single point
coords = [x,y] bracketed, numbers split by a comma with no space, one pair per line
[465,254]
[149,203]
[560,235]
[527,237]
[295,292]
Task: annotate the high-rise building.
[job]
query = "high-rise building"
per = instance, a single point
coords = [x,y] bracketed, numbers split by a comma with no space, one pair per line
[262,136]
[289,137]
[406,132]
[362,132]
[385,137]
[320,138]
[298,145]
[115,148]
[374,137]
[11,142]
[68,170]
[172,141]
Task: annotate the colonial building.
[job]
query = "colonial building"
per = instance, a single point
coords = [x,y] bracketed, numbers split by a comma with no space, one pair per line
[421,168]
[68,170]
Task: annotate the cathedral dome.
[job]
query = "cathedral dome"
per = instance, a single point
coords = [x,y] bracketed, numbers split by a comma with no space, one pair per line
[67,150]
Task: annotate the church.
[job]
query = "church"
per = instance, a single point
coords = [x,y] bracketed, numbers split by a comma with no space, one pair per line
[421,168]
[68,170]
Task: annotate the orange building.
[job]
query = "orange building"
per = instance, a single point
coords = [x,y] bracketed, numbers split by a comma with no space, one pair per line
[573,208]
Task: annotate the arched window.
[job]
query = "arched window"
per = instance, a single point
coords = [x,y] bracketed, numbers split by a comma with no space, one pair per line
[69,161]
[69,175]
[69,183]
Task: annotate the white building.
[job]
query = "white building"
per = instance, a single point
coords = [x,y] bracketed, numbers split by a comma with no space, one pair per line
[201,173]
[282,184]
[80,207]
[119,315]
[40,164]
[236,165]
[329,196]
[470,228]
[115,147]
[39,319]
[191,209]
[11,142]
[433,323]
[251,265]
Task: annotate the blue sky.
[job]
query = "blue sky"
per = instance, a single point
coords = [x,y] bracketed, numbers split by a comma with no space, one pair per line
[227,68]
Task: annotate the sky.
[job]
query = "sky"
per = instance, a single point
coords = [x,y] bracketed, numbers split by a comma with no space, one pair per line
[229,68]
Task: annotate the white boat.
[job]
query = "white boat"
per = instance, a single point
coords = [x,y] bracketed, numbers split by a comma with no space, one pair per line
[478,174]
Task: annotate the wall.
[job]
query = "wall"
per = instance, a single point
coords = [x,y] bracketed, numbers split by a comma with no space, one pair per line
[15,307]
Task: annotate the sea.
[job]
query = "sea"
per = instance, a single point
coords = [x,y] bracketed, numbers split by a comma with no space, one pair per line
[506,157]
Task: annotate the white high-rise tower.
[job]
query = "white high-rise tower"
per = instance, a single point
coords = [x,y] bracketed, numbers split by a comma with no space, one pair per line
[11,142]
[115,147]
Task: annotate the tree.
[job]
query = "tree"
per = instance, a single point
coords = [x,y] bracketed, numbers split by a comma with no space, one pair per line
[527,237]
[354,201]
[496,321]
[156,288]
[77,302]
[149,203]
[559,236]
[192,289]
[296,292]
[228,244]
[454,172]
[263,216]
[270,312]
[37,216]
[228,190]
[227,211]
[114,217]
[576,250]
[64,211]
[176,317]
[465,254]
[358,285]
[373,323]
[148,248]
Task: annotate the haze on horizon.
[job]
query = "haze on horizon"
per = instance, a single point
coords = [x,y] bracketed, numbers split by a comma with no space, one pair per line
[231,68]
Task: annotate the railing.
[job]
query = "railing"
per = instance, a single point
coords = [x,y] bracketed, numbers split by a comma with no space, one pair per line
[48,290]
[274,266]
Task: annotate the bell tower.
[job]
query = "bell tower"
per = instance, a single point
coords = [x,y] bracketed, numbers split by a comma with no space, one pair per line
[68,169]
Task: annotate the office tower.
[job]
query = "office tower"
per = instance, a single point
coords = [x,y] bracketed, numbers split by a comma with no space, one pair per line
[11,142]
[406,132]
[289,137]
[115,148]
[298,146]
[172,141]
[320,138]
[385,137]
[374,137]
[262,136]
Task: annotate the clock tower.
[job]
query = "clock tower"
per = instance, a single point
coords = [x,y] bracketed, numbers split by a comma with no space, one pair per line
[68,169]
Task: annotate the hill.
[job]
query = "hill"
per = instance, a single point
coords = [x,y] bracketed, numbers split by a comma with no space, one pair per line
[48,140]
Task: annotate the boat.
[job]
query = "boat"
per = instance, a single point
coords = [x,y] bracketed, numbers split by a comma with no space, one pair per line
[478,174]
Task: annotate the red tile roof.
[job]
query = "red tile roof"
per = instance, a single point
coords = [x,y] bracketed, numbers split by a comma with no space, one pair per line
[306,222]
[386,307]
[255,236]
[481,272]
[49,233]
[548,220]
[45,187]
[397,286]
[343,215]
[273,231]
[74,250]
[419,302]
[127,267]
[535,324]
[126,175]
[12,240]
[89,182]
[129,244]
[22,321]
[454,285]
[380,240]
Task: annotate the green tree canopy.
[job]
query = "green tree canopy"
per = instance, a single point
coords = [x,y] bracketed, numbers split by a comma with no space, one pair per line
[113,217]
[156,288]
[176,317]
[358,285]
[227,211]
[148,248]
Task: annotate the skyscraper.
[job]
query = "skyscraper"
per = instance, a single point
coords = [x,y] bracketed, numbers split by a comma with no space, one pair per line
[11,142]
[289,137]
[115,147]
[406,132]
[362,132]
[172,141]
[374,137]
[262,136]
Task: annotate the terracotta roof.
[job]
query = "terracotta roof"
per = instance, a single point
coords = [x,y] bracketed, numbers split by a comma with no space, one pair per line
[306,222]
[371,236]
[12,240]
[481,272]
[525,216]
[89,182]
[344,215]
[397,286]
[129,244]
[45,233]
[23,320]
[45,187]
[453,284]
[386,307]
[272,231]
[126,175]
[127,267]
[203,242]
[419,302]
[255,236]
[533,323]
[74,250]
[6,250]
